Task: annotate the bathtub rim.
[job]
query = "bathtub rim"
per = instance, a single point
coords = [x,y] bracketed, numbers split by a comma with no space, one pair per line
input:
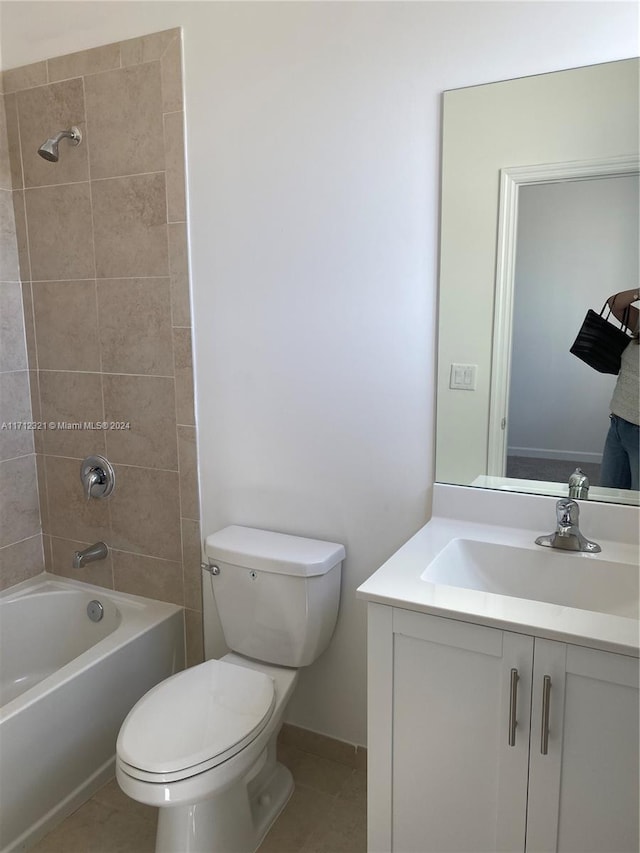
[139,615]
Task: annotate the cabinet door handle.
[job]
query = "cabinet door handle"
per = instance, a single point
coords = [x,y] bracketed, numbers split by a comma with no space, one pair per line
[513,705]
[546,701]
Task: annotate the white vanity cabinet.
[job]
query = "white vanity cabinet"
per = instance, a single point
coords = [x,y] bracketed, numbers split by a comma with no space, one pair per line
[482,739]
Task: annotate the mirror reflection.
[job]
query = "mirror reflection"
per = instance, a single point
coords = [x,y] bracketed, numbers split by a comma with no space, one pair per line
[577,244]
[540,201]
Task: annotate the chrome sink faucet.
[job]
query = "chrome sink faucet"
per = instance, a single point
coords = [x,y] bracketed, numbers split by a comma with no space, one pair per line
[567,535]
[579,485]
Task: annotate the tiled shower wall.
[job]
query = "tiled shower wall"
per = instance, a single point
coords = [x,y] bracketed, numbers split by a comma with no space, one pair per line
[20,529]
[102,242]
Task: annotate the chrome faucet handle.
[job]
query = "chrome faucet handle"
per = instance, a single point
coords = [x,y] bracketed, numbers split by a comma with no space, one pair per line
[567,513]
[97,476]
[92,479]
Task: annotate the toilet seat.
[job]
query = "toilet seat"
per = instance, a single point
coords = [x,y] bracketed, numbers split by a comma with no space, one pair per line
[194,721]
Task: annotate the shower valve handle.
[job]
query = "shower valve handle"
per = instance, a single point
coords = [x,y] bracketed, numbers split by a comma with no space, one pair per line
[97,476]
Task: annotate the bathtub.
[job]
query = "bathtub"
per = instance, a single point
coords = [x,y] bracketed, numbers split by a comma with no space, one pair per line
[66,685]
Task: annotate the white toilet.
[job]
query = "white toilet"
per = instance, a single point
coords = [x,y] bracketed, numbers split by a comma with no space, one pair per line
[201,745]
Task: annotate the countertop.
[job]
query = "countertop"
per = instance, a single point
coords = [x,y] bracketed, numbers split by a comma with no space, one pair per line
[398,582]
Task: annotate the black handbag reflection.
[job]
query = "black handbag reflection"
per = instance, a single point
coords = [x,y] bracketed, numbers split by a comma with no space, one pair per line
[600,344]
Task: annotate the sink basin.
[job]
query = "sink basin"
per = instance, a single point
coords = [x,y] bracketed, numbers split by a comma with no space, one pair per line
[556,577]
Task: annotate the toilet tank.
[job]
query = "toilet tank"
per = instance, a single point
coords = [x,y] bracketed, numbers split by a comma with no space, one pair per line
[277,595]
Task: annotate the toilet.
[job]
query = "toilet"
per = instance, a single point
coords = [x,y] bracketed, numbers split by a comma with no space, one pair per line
[201,746]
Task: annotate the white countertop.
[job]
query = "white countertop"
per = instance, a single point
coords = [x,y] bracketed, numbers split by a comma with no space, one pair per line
[399,583]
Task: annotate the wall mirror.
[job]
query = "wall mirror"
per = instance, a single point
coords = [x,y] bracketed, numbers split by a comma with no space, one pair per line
[539,222]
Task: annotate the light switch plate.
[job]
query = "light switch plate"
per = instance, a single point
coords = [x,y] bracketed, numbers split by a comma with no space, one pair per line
[463,377]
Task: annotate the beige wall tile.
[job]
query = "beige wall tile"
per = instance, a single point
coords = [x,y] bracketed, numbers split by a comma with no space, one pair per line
[19,511]
[179,274]
[68,397]
[48,561]
[9,267]
[172,77]
[144,402]
[66,320]
[15,405]
[130,223]
[174,153]
[36,413]
[84,62]
[13,140]
[6,181]
[42,493]
[188,466]
[194,639]
[149,576]
[21,561]
[60,232]
[134,320]
[99,572]
[20,215]
[13,351]
[71,515]
[124,113]
[29,325]
[43,112]
[25,76]
[145,512]
[140,295]
[191,560]
[183,361]
[146,48]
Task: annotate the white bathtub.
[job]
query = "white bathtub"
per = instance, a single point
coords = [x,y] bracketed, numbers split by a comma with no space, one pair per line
[66,685]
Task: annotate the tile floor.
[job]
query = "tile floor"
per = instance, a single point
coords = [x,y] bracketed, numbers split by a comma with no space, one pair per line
[326,814]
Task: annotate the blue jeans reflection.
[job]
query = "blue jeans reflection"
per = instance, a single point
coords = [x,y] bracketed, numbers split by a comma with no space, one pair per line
[620,458]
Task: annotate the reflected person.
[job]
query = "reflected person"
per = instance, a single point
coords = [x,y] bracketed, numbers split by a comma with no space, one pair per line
[620,458]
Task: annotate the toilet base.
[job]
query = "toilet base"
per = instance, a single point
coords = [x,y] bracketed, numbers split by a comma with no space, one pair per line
[234,821]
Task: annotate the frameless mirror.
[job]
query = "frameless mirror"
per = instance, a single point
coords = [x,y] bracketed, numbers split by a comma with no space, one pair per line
[539,222]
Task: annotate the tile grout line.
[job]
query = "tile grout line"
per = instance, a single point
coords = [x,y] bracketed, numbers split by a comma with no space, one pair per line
[40,469]
[104,443]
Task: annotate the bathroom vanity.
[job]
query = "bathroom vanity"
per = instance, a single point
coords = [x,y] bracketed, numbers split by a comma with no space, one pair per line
[503,682]
[503,676]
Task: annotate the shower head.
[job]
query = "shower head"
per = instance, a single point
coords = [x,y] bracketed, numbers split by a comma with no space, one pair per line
[49,149]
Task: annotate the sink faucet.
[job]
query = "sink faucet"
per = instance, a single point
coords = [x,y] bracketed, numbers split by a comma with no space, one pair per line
[568,535]
[94,552]
[579,485]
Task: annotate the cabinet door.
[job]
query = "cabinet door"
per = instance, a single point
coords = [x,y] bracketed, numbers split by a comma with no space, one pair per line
[583,793]
[457,783]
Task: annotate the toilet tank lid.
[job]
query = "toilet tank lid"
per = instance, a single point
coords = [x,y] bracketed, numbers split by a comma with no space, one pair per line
[267,551]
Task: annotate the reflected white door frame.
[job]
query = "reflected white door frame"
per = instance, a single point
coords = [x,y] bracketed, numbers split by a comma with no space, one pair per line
[511,180]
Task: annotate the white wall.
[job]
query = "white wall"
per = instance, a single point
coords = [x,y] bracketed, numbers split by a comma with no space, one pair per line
[577,244]
[313,156]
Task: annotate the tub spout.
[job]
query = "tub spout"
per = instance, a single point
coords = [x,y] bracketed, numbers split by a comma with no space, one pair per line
[94,552]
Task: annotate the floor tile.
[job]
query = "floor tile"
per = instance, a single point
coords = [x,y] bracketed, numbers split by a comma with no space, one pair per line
[96,828]
[314,772]
[326,814]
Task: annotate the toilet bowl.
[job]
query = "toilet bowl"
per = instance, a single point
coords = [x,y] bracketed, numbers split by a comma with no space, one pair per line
[201,746]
